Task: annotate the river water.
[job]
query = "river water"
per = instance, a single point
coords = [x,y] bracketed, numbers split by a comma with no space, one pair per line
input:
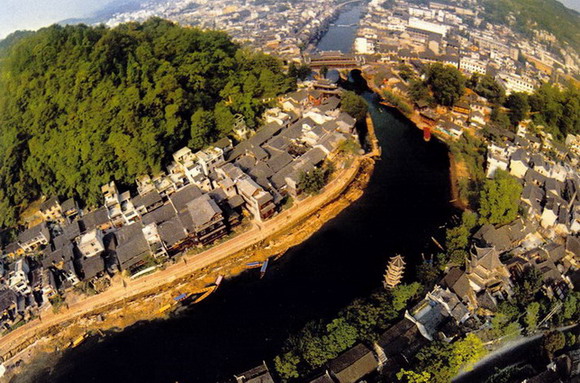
[247,319]
[340,36]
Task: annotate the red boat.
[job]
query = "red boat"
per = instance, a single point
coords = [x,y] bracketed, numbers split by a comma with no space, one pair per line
[427,133]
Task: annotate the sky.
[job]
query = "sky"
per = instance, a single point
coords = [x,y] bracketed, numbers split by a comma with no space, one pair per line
[34,14]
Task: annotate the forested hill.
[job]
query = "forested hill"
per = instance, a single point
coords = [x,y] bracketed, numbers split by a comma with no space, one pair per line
[528,15]
[82,105]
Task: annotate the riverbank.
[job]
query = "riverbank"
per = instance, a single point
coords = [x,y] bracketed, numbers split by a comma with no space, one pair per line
[457,170]
[127,302]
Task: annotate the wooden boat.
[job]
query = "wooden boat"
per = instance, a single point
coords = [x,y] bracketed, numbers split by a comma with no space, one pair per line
[164,308]
[78,340]
[253,265]
[205,294]
[427,134]
[437,243]
[181,297]
[264,268]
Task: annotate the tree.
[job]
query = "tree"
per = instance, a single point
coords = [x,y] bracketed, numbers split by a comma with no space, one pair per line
[571,306]
[340,336]
[405,72]
[500,199]
[499,118]
[427,273]
[354,105]
[487,87]
[418,90]
[313,181]
[202,129]
[519,107]
[287,365]
[528,285]
[457,238]
[466,353]
[413,377]
[403,293]
[531,317]
[446,83]
[553,342]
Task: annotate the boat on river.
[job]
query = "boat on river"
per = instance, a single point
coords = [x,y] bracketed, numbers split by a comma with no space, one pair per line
[78,340]
[427,134]
[264,268]
[253,265]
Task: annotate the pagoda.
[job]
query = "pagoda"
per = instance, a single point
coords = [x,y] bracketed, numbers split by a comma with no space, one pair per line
[395,270]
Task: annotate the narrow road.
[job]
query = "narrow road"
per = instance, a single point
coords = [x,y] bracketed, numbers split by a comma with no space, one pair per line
[117,292]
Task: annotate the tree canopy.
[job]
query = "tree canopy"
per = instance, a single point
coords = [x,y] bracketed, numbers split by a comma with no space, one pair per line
[446,82]
[557,110]
[500,199]
[519,107]
[354,105]
[487,87]
[82,105]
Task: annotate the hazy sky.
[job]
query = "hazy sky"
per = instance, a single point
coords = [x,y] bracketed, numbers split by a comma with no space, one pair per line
[33,14]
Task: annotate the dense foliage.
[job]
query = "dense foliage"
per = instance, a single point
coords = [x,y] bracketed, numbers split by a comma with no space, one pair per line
[362,320]
[440,361]
[457,239]
[528,15]
[82,105]
[397,101]
[313,181]
[354,105]
[557,110]
[446,82]
[500,199]
[487,87]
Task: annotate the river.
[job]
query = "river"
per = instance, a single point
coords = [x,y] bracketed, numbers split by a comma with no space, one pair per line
[247,320]
[340,36]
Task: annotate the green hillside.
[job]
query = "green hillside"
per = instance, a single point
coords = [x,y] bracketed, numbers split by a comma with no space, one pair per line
[549,15]
[82,105]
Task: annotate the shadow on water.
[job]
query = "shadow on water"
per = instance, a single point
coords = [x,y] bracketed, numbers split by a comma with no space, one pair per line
[248,319]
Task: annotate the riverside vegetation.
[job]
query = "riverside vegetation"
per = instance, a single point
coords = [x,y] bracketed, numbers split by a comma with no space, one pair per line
[82,105]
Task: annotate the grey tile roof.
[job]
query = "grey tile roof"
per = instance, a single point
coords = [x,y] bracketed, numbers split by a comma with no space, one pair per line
[265,133]
[132,251]
[172,232]
[127,232]
[34,232]
[92,266]
[49,203]
[276,163]
[203,209]
[353,364]
[7,299]
[183,196]
[261,170]
[159,215]
[148,200]
[69,204]
[95,218]
[72,230]
[314,156]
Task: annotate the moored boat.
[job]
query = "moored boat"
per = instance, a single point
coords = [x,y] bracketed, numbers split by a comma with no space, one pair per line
[253,265]
[427,133]
[264,268]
